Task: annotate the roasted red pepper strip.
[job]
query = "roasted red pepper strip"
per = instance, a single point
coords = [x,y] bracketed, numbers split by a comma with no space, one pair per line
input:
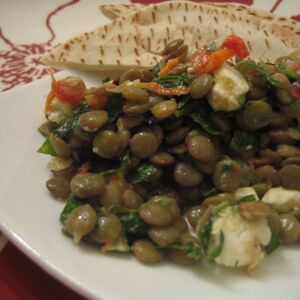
[296,90]
[161,90]
[205,61]
[70,90]
[208,62]
[237,45]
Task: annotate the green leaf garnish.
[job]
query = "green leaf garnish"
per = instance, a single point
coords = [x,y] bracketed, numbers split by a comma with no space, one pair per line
[70,205]
[196,252]
[47,148]
[114,107]
[121,170]
[198,115]
[247,198]
[274,241]
[133,224]
[173,80]
[106,79]
[261,71]
[72,121]
[142,173]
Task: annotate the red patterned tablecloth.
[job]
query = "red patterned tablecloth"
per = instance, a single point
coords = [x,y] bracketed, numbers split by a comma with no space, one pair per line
[27,30]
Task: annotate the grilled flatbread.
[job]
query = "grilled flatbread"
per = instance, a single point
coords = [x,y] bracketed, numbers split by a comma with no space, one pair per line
[113,11]
[137,39]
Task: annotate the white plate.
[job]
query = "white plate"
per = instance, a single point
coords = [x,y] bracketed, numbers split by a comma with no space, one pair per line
[29,217]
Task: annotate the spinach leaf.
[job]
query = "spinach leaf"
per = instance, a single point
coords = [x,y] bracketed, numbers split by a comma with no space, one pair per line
[133,224]
[247,198]
[70,205]
[122,169]
[47,148]
[195,251]
[154,70]
[274,242]
[173,80]
[243,144]
[183,101]
[259,68]
[199,115]
[142,173]
[72,121]
[114,107]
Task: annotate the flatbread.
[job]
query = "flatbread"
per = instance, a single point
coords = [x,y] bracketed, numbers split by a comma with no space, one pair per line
[113,11]
[137,39]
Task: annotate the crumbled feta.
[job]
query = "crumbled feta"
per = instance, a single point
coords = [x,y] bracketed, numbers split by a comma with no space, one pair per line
[229,89]
[59,111]
[281,199]
[243,239]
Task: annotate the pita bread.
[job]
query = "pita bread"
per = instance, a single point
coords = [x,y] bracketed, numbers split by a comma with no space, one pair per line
[137,39]
[113,11]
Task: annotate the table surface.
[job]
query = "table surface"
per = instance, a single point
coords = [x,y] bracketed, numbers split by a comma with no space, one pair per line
[28,29]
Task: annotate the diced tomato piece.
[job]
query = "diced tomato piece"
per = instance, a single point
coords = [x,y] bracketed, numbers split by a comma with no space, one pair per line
[296,90]
[96,101]
[237,45]
[70,89]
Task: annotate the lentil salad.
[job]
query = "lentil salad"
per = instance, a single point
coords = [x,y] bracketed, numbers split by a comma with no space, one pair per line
[194,159]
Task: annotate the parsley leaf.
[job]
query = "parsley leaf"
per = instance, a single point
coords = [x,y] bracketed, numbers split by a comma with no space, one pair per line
[70,205]
[72,121]
[173,80]
[195,251]
[274,241]
[133,224]
[47,148]
[142,173]
[199,116]
[259,68]
[247,198]
[122,169]
[114,107]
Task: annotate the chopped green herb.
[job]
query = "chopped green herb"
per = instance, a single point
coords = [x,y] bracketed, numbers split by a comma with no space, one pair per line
[261,71]
[114,107]
[195,251]
[70,205]
[198,115]
[106,79]
[205,233]
[72,122]
[173,80]
[155,70]
[47,148]
[121,170]
[274,241]
[247,198]
[133,224]
[142,173]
